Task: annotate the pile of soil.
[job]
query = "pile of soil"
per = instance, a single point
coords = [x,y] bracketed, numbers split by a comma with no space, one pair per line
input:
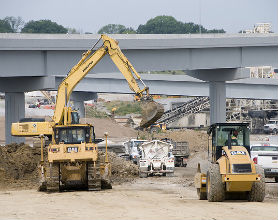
[197,140]
[121,169]
[19,167]
[103,125]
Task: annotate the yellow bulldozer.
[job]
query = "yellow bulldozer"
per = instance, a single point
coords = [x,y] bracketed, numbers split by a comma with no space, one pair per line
[231,173]
[72,159]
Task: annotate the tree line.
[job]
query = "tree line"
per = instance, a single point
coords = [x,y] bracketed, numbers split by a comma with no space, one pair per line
[158,25]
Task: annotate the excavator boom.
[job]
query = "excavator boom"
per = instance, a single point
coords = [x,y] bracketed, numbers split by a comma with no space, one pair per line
[88,61]
[152,111]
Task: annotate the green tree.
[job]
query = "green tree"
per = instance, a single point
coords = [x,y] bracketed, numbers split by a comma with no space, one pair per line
[169,25]
[16,23]
[161,25]
[116,29]
[216,31]
[5,27]
[73,31]
[43,26]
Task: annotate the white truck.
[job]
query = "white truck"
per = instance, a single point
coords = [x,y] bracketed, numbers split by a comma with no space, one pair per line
[132,151]
[156,158]
[271,126]
[266,156]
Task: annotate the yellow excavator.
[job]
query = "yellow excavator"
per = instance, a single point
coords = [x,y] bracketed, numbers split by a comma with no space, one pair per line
[72,156]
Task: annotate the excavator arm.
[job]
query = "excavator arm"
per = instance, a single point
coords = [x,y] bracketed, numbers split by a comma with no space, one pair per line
[151,111]
[87,62]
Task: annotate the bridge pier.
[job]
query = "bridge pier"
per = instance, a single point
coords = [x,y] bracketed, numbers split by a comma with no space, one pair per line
[217,99]
[14,111]
[78,99]
[217,88]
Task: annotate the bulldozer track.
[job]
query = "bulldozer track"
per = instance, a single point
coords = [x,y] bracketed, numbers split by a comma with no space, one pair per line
[52,177]
[94,178]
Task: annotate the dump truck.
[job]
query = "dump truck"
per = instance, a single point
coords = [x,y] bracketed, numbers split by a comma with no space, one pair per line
[231,172]
[156,158]
[180,151]
[72,159]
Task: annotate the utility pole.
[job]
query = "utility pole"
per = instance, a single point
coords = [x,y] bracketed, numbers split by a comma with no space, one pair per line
[200,16]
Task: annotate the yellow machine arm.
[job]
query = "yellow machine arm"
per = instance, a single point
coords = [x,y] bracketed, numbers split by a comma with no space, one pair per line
[87,62]
[62,115]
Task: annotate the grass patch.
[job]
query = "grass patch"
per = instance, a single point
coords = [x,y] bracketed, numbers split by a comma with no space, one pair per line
[124,108]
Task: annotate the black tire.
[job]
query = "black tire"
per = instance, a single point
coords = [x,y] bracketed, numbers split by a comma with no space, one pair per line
[201,195]
[215,186]
[276,179]
[274,131]
[257,192]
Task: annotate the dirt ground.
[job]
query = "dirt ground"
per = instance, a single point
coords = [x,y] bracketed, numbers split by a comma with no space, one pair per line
[150,198]
[134,198]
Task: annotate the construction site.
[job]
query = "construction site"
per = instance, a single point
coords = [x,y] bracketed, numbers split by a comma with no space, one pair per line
[141,145]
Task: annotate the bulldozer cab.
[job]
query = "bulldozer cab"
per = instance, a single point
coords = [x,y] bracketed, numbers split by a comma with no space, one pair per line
[75,134]
[227,134]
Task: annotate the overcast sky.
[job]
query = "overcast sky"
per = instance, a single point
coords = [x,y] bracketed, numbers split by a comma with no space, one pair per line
[91,15]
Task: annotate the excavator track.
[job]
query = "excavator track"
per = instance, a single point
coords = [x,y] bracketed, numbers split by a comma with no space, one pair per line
[94,178]
[52,171]
[151,112]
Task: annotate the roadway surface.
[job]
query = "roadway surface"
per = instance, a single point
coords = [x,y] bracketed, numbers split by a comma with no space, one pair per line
[151,198]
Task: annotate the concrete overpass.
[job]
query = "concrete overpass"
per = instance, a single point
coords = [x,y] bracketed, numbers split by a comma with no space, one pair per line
[31,61]
[163,84]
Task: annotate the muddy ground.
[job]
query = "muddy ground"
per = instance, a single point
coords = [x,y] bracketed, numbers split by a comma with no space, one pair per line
[150,198]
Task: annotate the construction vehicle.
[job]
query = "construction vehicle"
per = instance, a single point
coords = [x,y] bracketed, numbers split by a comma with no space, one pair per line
[73,157]
[231,172]
[180,151]
[156,158]
[132,150]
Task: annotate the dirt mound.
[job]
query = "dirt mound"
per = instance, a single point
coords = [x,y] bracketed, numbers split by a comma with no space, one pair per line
[197,140]
[108,125]
[19,167]
[121,169]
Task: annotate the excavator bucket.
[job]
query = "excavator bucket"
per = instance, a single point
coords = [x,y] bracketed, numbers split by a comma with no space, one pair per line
[151,112]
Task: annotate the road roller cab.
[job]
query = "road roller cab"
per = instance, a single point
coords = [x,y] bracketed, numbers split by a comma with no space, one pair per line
[231,172]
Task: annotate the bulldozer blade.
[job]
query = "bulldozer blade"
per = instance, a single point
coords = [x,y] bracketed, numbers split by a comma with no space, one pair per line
[151,112]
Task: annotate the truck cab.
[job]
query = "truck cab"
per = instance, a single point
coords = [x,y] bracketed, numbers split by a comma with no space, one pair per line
[132,148]
[266,155]
[271,126]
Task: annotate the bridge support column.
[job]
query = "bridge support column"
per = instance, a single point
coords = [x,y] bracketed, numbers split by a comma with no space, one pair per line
[79,106]
[217,96]
[217,88]
[14,111]
[78,99]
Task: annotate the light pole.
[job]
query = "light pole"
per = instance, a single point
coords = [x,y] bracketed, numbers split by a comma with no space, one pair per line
[200,16]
